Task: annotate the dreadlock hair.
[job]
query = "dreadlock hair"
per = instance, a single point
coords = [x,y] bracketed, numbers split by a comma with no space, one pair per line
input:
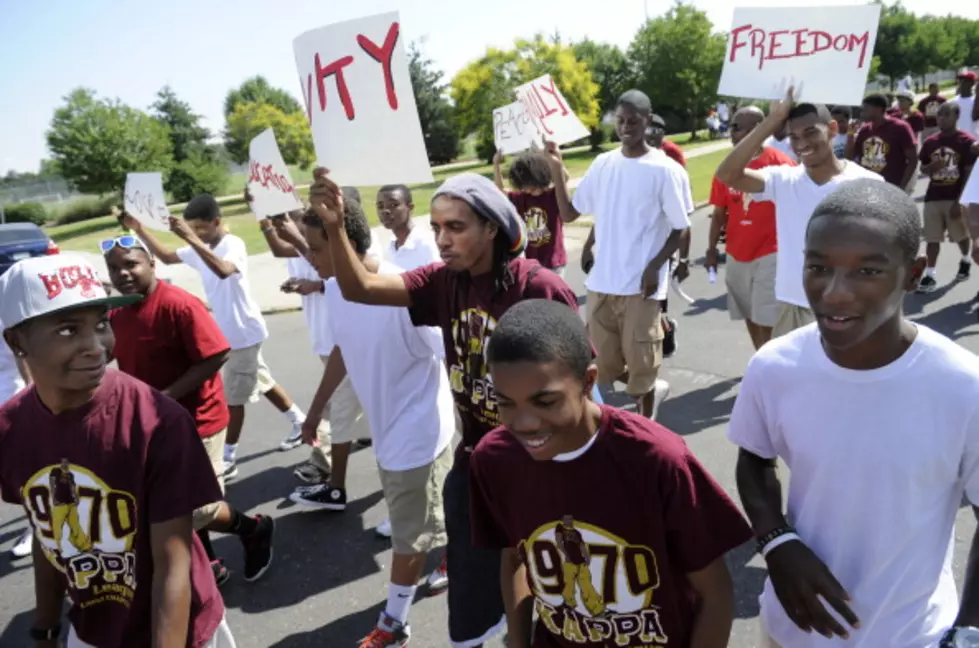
[530,171]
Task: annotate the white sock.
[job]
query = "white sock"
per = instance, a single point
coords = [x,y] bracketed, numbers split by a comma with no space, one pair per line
[966,258]
[399,602]
[230,450]
[930,272]
[295,415]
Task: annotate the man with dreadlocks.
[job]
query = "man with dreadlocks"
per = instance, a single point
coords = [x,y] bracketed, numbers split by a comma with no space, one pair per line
[480,236]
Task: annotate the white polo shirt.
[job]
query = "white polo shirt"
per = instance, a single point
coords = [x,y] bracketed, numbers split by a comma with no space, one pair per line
[314,306]
[418,250]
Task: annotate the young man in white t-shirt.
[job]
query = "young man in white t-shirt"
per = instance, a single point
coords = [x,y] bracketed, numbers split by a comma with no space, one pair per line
[641,203]
[966,101]
[398,372]
[877,420]
[795,191]
[222,261]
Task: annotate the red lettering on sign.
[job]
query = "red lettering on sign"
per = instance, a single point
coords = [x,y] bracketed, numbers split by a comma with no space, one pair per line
[765,46]
[383,55]
[265,176]
[336,67]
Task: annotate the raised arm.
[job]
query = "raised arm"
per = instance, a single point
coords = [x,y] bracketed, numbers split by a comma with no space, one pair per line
[170,543]
[279,248]
[160,251]
[559,176]
[734,171]
[221,267]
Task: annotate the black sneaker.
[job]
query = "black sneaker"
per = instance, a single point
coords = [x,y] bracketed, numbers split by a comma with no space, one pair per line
[360,444]
[221,573]
[258,549]
[964,268]
[669,337]
[324,498]
[927,285]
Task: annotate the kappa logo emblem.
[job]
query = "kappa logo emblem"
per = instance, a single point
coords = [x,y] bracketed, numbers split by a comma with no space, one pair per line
[71,278]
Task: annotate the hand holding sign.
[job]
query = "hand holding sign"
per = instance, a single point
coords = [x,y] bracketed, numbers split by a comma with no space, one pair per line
[144,200]
[326,198]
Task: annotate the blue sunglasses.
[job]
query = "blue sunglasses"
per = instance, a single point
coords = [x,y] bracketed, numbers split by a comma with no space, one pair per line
[127,242]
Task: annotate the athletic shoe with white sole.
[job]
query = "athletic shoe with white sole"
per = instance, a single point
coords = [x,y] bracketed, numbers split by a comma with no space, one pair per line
[388,633]
[660,391]
[323,497]
[384,529]
[230,470]
[295,438]
[438,580]
[22,549]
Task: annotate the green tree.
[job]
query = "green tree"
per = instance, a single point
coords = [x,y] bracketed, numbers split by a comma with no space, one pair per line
[434,110]
[258,90]
[197,168]
[677,61]
[291,132]
[896,34]
[610,70]
[96,142]
[489,83]
[186,132]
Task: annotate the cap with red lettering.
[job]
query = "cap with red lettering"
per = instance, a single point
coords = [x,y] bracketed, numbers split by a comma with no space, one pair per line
[49,284]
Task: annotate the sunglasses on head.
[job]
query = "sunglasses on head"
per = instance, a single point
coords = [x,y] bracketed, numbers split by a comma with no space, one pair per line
[127,242]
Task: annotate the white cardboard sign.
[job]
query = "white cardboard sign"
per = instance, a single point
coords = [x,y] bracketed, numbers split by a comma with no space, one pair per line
[144,200]
[355,82]
[550,111]
[824,51]
[269,183]
[514,129]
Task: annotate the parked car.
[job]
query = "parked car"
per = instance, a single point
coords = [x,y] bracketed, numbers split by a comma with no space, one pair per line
[21,241]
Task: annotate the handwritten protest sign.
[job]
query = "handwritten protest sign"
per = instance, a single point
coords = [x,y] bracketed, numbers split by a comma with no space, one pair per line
[514,129]
[269,183]
[144,200]
[355,82]
[826,49]
[550,111]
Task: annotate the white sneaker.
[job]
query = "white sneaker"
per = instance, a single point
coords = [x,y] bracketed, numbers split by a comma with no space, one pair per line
[295,438]
[384,529]
[438,580]
[24,544]
[660,391]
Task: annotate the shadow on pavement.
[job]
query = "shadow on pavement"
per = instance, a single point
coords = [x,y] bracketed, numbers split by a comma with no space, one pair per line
[950,321]
[748,581]
[699,409]
[702,306]
[345,631]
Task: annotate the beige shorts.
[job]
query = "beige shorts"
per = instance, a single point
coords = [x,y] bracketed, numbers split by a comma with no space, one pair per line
[938,220]
[790,318]
[246,376]
[627,332]
[214,446]
[414,501]
[347,420]
[751,290]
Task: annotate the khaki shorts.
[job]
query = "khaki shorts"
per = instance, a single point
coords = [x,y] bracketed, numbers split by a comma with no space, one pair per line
[790,318]
[347,420]
[627,332]
[938,220]
[751,290]
[414,501]
[246,376]
[214,446]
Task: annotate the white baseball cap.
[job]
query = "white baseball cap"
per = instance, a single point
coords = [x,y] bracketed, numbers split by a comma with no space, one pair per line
[48,284]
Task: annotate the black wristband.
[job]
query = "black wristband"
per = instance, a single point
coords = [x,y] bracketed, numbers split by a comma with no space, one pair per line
[50,634]
[774,533]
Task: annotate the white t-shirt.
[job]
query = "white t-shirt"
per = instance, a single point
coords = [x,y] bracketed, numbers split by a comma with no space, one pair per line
[783,145]
[879,461]
[970,193]
[314,306]
[398,373]
[636,203]
[11,381]
[965,122]
[231,302]
[795,196]
[419,250]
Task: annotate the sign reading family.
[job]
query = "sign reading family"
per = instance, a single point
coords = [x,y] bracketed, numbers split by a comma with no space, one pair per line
[514,129]
[355,82]
[550,111]
[144,200]
[829,48]
[269,183]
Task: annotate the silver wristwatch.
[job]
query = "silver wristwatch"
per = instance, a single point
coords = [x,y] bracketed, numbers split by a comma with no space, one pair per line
[962,637]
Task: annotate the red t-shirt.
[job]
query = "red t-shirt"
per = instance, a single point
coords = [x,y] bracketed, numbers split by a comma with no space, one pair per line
[545,229]
[956,151]
[674,152]
[159,338]
[751,233]
[929,108]
[882,149]
[466,309]
[644,514]
[133,460]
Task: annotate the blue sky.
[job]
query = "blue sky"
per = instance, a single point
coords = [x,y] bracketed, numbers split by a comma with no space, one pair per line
[204,47]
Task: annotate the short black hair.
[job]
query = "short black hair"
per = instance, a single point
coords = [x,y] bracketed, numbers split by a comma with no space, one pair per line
[351,192]
[354,222]
[952,105]
[541,331]
[877,100]
[841,110]
[397,188]
[530,170]
[882,201]
[637,100]
[821,112]
[202,207]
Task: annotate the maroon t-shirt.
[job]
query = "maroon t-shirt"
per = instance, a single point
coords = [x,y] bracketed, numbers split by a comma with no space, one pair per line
[929,108]
[955,150]
[914,119]
[159,338]
[467,309]
[647,513]
[545,229]
[881,149]
[135,460]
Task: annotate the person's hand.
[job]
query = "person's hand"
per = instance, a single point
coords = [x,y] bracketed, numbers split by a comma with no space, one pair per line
[587,259]
[290,285]
[782,107]
[800,579]
[326,198]
[310,430]
[286,229]
[498,157]
[553,154]
[650,280]
[681,271]
[180,227]
[308,286]
[126,221]
[710,258]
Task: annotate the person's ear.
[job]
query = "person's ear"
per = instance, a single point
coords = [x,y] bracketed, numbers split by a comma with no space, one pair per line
[834,128]
[917,272]
[591,379]
[15,344]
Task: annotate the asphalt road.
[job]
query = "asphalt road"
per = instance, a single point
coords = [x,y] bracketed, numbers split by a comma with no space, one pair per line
[329,579]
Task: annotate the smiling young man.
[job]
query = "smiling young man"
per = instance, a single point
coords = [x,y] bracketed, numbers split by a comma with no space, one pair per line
[109,472]
[222,261]
[795,191]
[169,340]
[548,489]
[876,418]
[480,237]
[886,145]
